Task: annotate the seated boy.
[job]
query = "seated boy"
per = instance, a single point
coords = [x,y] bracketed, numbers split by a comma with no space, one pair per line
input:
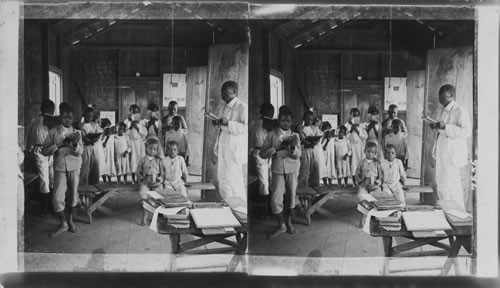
[399,142]
[150,171]
[394,177]
[178,135]
[175,170]
[65,143]
[283,146]
[369,173]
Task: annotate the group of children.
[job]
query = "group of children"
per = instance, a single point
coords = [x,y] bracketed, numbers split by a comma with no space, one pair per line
[375,156]
[80,152]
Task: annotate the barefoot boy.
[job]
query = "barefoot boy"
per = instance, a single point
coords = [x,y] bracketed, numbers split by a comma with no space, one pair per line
[283,146]
[65,143]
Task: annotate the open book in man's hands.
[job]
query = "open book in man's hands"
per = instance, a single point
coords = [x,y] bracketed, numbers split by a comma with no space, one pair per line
[428,119]
[211,116]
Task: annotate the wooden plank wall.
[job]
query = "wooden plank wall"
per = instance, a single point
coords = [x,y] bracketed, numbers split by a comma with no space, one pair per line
[226,62]
[415,85]
[447,66]
[196,79]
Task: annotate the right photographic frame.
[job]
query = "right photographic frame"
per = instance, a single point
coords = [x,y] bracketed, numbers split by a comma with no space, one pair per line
[363,140]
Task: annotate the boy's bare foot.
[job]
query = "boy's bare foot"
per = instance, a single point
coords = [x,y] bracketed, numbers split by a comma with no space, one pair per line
[72,228]
[61,229]
[290,229]
[282,229]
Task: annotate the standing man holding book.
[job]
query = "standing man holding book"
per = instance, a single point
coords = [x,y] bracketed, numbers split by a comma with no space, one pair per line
[231,144]
[450,149]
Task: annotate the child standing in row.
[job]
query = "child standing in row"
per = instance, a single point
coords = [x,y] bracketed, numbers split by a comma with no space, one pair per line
[122,151]
[357,136]
[342,153]
[178,135]
[398,140]
[108,145]
[137,133]
[329,152]
[283,146]
[369,173]
[394,176]
[310,159]
[91,156]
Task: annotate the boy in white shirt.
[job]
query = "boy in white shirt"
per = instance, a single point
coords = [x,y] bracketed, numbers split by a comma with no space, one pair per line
[176,172]
[394,176]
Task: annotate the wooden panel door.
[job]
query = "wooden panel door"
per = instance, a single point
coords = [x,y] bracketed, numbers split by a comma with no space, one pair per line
[448,66]
[415,84]
[196,89]
[225,62]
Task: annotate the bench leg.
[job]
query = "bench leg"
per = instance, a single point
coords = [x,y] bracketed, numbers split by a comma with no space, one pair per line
[387,241]
[175,240]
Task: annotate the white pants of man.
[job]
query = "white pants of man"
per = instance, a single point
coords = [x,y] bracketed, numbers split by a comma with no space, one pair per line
[262,167]
[44,169]
[230,169]
[448,178]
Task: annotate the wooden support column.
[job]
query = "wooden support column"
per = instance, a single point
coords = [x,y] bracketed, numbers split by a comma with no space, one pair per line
[9,55]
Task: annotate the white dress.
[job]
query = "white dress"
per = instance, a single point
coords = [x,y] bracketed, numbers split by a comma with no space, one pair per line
[122,144]
[329,153]
[108,156]
[357,146]
[342,147]
[138,149]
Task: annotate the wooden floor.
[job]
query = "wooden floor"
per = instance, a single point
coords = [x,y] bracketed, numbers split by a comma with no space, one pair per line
[115,230]
[333,233]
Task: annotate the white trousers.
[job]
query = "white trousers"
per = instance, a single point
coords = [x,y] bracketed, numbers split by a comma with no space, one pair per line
[44,167]
[262,167]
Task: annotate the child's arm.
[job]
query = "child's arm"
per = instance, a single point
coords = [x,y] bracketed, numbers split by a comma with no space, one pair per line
[358,177]
[184,171]
[267,151]
[49,146]
[140,169]
[78,145]
[402,174]
[161,172]
[183,123]
[296,151]
[380,176]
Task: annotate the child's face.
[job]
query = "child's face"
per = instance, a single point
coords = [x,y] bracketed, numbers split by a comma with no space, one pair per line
[121,130]
[370,153]
[393,112]
[135,110]
[390,154]
[172,109]
[285,122]
[89,116]
[152,150]
[172,151]
[342,133]
[308,120]
[395,128]
[67,119]
[176,125]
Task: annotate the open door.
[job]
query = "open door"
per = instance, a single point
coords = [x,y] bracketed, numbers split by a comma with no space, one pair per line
[415,85]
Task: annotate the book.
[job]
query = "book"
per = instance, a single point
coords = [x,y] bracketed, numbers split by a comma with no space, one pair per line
[425,220]
[211,116]
[455,214]
[428,119]
[365,206]
[214,218]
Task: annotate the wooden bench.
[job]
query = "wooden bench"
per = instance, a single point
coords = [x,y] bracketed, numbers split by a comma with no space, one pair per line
[94,196]
[313,198]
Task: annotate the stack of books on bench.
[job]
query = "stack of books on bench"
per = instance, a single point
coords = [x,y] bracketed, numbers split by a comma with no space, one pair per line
[392,222]
[455,215]
[386,201]
[167,200]
[364,206]
[178,220]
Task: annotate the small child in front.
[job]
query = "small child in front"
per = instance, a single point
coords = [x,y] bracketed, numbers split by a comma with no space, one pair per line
[283,146]
[369,173]
[399,142]
[150,171]
[178,135]
[65,143]
[394,176]
[176,172]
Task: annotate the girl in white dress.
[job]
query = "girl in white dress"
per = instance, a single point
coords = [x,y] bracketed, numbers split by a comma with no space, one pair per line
[328,144]
[342,153]
[320,152]
[107,140]
[136,133]
[122,151]
[356,133]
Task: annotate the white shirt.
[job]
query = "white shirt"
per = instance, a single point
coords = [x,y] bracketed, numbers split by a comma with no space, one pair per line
[174,168]
[393,171]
